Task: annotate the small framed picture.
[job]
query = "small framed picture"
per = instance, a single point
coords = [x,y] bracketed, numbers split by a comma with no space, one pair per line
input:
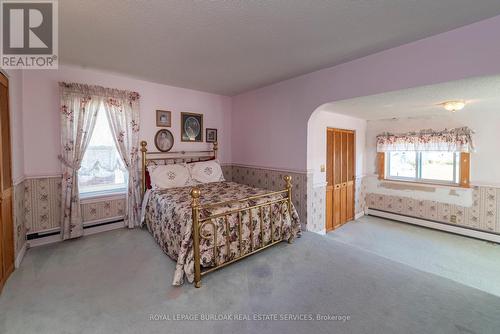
[163,118]
[164,140]
[211,135]
[191,127]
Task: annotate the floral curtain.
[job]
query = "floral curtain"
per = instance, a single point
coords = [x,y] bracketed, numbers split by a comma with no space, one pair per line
[79,107]
[122,110]
[453,140]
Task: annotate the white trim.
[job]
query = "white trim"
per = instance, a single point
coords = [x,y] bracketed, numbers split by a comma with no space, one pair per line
[17,181]
[88,231]
[20,255]
[359,215]
[42,176]
[438,226]
[44,240]
[320,232]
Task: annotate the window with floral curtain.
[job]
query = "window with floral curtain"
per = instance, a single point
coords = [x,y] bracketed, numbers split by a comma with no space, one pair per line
[426,156]
[80,105]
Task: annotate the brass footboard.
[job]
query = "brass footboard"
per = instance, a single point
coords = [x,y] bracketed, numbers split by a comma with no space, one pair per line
[199,223]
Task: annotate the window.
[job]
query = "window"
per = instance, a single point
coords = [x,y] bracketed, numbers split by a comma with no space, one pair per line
[425,166]
[102,171]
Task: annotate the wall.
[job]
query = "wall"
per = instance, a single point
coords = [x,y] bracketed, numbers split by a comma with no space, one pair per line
[41,113]
[16,132]
[477,207]
[275,117]
[41,125]
[323,118]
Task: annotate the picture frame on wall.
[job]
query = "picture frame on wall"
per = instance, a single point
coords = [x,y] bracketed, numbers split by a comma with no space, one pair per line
[164,140]
[163,118]
[211,135]
[191,127]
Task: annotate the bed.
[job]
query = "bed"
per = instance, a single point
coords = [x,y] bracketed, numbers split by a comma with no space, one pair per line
[187,221]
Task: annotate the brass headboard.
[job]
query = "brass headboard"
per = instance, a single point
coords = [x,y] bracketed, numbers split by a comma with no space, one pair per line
[173,157]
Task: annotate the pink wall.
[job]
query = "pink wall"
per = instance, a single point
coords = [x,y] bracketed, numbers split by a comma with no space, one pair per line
[41,113]
[16,123]
[269,125]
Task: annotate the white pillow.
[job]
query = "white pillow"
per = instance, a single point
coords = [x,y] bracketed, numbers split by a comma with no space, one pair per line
[206,171]
[169,176]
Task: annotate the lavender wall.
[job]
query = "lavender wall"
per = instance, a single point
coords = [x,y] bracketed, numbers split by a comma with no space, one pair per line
[269,125]
[41,113]
[16,123]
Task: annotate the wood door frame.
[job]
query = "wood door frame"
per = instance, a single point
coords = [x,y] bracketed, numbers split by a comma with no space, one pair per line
[353,131]
[4,81]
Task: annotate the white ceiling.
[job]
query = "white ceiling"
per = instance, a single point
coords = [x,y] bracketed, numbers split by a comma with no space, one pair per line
[230,46]
[482,94]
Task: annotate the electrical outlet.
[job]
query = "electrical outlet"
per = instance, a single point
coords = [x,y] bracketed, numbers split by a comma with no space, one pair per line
[453,219]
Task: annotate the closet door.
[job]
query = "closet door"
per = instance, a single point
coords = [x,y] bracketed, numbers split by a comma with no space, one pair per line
[350,177]
[340,177]
[6,217]
[337,178]
[329,179]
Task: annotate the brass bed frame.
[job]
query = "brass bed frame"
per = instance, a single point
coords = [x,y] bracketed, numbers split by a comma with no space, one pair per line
[200,222]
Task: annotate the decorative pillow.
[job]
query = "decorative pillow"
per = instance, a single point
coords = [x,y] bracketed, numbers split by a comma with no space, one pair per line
[169,176]
[206,171]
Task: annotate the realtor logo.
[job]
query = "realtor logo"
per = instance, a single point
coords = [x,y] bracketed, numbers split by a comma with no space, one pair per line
[29,34]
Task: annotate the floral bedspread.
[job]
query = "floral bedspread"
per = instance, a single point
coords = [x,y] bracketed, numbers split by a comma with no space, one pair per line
[168,217]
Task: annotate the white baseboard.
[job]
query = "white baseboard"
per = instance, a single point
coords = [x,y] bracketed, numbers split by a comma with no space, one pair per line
[20,255]
[359,215]
[44,240]
[438,226]
[320,232]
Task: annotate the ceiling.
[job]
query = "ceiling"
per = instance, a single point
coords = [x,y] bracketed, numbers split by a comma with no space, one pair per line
[228,47]
[482,94]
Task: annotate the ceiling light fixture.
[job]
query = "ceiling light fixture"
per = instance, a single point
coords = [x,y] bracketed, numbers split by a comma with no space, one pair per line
[453,105]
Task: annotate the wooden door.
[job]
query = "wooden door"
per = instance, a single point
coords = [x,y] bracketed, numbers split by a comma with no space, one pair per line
[340,170]
[6,217]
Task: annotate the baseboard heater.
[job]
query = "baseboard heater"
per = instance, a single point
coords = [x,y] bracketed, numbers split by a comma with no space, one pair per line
[38,235]
[465,231]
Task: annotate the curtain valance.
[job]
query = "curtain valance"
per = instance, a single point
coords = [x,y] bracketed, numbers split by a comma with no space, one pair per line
[450,140]
[92,90]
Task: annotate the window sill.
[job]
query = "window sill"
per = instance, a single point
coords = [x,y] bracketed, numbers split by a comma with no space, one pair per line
[98,196]
[432,184]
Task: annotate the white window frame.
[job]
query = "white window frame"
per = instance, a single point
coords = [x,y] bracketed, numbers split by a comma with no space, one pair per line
[108,193]
[418,171]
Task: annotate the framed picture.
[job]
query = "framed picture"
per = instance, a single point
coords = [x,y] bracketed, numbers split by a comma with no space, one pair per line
[164,140]
[191,127]
[211,135]
[163,118]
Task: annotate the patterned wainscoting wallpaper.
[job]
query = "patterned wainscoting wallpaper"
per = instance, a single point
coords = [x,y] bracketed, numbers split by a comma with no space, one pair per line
[483,215]
[317,204]
[272,180]
[42,205]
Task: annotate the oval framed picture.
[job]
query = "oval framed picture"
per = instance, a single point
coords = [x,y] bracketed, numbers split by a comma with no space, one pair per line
[164,140]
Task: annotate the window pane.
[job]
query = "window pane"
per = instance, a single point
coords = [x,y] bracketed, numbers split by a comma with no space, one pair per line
[402,164]
[102,168]
[438,166]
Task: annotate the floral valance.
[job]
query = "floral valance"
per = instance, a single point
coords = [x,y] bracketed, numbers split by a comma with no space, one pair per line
[452,140]
[103,92]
